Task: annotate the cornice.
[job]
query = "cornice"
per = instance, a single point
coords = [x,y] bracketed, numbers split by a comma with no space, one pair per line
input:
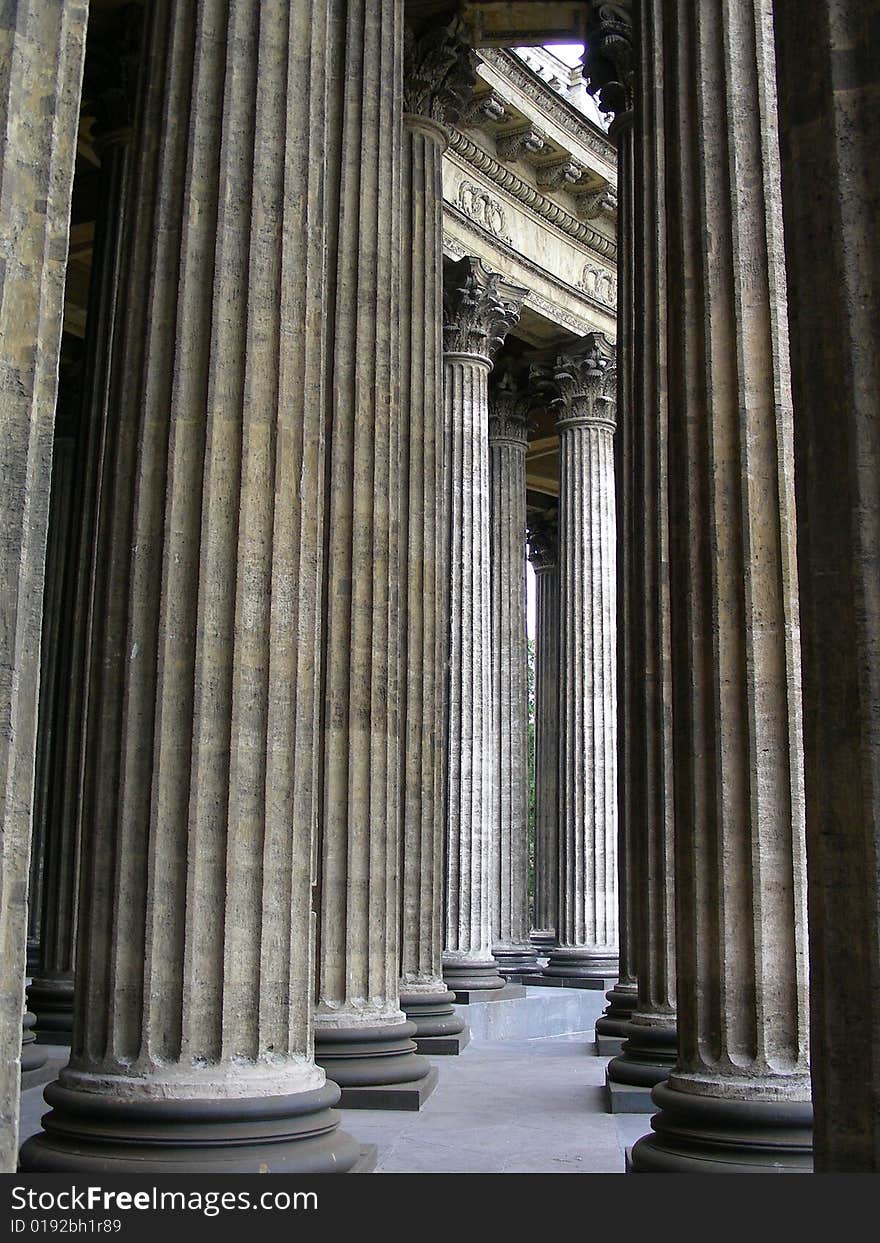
[552,311]
[544,207]
[554,106]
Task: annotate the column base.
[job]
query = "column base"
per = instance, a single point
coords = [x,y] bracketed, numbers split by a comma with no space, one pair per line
[696,1134]
[51,999]
[648,1056]
[622,1001]
[472,996]
[469,976]
[32,1056]
[543,939]
[608,1046]
[375,1067]
[576,962]
[439,1028]
[623,1098]
[97,1133]
[516,959]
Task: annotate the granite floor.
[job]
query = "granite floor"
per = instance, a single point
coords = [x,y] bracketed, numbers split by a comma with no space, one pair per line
[507,1106]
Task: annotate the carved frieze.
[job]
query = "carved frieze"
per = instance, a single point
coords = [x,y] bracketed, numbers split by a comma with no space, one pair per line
[482,208]
[599,283]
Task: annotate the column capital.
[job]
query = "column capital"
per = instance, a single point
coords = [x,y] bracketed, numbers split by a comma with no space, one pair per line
[609,59]
[582,383]
[510,403]
[439,74]
[479,308]
[542,534]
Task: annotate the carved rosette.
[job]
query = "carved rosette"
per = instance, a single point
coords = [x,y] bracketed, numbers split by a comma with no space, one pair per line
[510,403]
[582,383]
[439,75]
[479,308]
[609,60]
[542,534]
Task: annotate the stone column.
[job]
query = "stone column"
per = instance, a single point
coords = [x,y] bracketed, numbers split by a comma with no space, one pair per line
[192,1043]
[362,1037]
[738,1099]
[587,926]
[650,1049]
[609,65]
[829,88]
[509,406]
[542,536]
[438,80]
[41,57]
[108,84]
[479,310]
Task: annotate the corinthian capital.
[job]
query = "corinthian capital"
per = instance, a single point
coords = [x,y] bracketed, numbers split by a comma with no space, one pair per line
[510,402]
[479,308]
[609,61]
[542,533]
[582,383]
[439,74]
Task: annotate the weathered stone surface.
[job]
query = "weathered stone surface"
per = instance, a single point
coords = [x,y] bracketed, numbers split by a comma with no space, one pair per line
[543,540]
[362,1036]
[509,406]
[584,381]
[829,80]
[196,954]
[739,1096]
[109,85]
[438,75]
[479,310]
[646,721]
[41,57]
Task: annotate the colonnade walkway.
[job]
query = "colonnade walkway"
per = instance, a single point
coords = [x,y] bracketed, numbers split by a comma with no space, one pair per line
[508,1107]
[521,1105]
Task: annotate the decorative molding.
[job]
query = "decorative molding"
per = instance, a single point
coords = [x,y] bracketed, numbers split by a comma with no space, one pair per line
[483,209]
[521,143]
[479,308]
[559,174]
[600,284]
[550,310]
[508,180]
[554,106]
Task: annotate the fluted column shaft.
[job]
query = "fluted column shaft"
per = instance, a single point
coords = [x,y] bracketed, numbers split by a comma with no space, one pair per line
[362,1037]
[64,708]
[542,552]
[622,997]
[471,772]
[438,76]
[421,368]
[588,901]
[829,88]
[41,57]
[478,311]
[738,1097]
[195,955]
[508,440]
[650,1048]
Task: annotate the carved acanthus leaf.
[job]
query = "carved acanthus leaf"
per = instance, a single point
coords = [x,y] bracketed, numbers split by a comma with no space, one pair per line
[439,74]
[582,381]
[542,533]
[479,308]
